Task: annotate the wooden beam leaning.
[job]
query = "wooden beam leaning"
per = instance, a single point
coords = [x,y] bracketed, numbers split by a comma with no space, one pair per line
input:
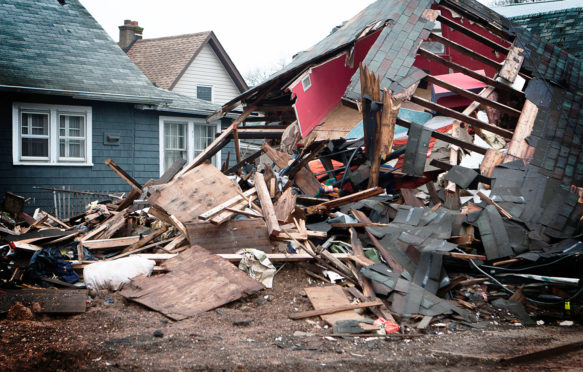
[447,138]
[486,24]
[479,38]
[456,115]
[512,64]
[518,146]
[248,159]
[266,205]
[473,96]
[466,71]
[120,172]
[319,208]
[462,49]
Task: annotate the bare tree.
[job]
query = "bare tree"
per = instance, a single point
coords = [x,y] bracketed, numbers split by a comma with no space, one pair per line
[258,75]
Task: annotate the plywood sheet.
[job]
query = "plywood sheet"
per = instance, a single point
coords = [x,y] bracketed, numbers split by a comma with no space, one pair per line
[338,123]
[230,236]
[194,193]
[197,281]
[333,295]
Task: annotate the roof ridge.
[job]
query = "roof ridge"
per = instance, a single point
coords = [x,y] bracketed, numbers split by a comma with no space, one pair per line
[175,36]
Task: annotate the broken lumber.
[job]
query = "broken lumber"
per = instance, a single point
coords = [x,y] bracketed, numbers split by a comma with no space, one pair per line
[334,309]
[123,174]
[273,228]
[320,208]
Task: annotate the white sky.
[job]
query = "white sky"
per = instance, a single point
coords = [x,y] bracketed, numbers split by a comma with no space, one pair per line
[255,33]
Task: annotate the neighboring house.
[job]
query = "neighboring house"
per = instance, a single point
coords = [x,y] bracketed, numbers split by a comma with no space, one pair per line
[559,22]
[70,98]
[195,65]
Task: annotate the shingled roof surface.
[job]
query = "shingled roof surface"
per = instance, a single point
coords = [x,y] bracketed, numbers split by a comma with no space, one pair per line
[164,59]
[62,48]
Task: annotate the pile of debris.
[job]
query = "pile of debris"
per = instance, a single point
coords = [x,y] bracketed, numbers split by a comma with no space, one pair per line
[473,214]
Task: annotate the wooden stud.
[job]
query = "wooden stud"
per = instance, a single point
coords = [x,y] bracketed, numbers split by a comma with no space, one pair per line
[266,205]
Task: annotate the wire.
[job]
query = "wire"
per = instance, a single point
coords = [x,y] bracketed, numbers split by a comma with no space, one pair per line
[530,267]
[512,292]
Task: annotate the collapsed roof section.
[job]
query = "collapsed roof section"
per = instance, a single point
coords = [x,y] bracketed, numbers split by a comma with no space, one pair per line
[529,87]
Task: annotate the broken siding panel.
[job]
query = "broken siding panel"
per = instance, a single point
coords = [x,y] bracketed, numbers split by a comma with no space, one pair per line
[207,69]
[115,118]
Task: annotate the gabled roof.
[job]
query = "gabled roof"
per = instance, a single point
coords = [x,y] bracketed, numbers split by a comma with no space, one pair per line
[164,60]
[60,49]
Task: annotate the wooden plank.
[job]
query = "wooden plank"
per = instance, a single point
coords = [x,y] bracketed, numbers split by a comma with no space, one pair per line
[473,96]
[26,246]
[171,172]
[52,301]
[128,200]
[226,214]
[474,35]
[123,174]
[113,225]
[518,146]
[197,281]
[334,309]
[230,236]
[247,160]
[468,52]
[489,201]
[490,161]
[410,198]
[234,200]
[236,141]
[320,208]
[323,297]
[305,179]
[114,243]
[456,115]
[273,228]
[176,243]
[146,239]
[512,64]
[188,196]
[285,205]
[466,71]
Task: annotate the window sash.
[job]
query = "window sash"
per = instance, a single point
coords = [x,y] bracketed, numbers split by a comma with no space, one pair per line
[204,92]
[72,138]
[30,142]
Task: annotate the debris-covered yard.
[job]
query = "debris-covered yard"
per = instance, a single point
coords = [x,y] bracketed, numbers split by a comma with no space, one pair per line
[393,217]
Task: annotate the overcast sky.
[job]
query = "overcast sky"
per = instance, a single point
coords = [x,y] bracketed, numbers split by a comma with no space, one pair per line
[255,33]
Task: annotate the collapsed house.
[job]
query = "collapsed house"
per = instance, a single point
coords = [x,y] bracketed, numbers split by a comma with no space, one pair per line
[420,139]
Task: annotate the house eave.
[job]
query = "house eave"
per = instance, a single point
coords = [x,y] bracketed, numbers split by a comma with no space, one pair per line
[93,96]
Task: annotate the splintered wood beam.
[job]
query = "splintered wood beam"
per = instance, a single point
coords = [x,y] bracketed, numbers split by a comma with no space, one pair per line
[466,71]
[447,138]
[456,115]
[320,208]
[259,133]
[512,64]
[473,96]
[236,140]
[123,174]
[518,146]
[273,227]
[468,52]
[466,31]
[334,309]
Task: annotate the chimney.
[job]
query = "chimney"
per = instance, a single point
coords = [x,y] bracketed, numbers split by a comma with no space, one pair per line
[129,33]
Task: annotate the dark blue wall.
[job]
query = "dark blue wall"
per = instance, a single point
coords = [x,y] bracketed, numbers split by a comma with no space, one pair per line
[137,152]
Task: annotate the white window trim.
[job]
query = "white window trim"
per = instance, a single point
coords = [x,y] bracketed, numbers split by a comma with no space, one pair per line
[206,86]
[53,111]
[189,137]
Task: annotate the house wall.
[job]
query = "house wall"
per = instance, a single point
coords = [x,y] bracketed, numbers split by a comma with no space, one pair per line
[137,152]
[207,69]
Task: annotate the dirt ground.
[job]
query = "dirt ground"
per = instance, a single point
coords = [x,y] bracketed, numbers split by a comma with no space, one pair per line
[256,334]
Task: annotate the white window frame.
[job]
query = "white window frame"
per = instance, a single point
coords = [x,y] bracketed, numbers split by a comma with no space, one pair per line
[206,86]
[307,81]
[53,111]
[189,137]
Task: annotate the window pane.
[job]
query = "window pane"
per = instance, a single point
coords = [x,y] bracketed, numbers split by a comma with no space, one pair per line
[35,147]
[175,142]
[62,152]
[205,93]
[76,149]
[37,124]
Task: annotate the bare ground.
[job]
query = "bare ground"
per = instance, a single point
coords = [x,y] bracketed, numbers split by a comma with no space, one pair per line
[256,334]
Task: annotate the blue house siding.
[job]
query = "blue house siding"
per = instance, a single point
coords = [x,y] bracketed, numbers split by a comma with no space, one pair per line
[137,152]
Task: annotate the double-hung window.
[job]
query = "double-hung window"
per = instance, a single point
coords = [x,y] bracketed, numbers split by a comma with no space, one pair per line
[184,138]
[51,134]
